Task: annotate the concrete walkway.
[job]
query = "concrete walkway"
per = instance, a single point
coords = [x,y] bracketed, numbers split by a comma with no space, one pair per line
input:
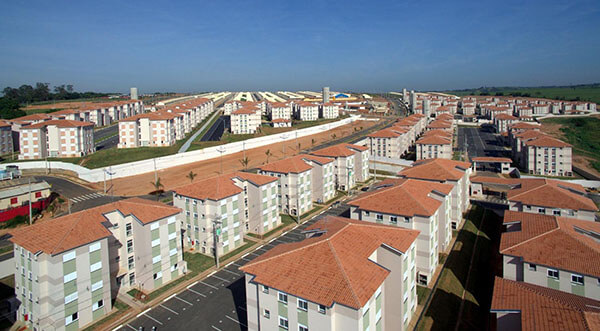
[187,144]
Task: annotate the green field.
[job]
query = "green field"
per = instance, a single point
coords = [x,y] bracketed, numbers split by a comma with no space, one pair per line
[583,133]
[589,92]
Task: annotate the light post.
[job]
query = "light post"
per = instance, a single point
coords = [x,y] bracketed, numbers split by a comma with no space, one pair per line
[221,150]
[110,173]
[283,137]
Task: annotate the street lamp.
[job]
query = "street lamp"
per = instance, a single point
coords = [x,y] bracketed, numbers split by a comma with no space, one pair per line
[283,137]
[221,150]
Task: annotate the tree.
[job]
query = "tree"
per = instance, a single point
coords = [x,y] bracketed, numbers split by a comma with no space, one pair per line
[299,148]
[191,176]
[158,186]
[245,162]
[268,154]
[333,136]
[312,142]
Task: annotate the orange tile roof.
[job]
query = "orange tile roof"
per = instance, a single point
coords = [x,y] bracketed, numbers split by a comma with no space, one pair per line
[339,150]
[288,165]
[318,159]
[433,140]
[333,267]
[409,198]
[491,159]
[215,188]
[506,117]
[551,193]
[245,110]
[523,125]
[436,169]
[385,133]
[256,179]
[542,308]
[32,117]
[438,132]
[71,231]
[280,120]
[547,141]
[440,124]
[59,123]
[539,234]
[4,123]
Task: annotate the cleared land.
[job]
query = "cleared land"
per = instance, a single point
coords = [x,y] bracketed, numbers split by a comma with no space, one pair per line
[176,176]
[580,92]
[581,132]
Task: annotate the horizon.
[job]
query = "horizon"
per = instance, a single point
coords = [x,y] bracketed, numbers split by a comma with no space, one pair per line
[348,46]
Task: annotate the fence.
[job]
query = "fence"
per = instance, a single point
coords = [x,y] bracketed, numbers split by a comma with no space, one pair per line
[7,214]
[145,166]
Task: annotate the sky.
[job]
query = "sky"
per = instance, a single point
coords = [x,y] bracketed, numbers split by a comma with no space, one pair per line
[372,46]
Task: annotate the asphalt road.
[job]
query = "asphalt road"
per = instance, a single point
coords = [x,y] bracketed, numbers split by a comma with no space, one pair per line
[80,196]
[217,302]
[481,142]
[111,142]
[216,130]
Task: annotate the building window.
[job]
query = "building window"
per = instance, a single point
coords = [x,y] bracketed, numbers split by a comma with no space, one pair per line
[556,213]
[266,313]
[394,220]
[129,245]
[265,289]
[282,297]
[532,267]
[14,200]
[130,262]
[98,304]
[71,319]
[132,279]
[366,213]
[302,304]
[379,217]
[128,229]
[576,279]
[302,327]
[553,273]
[283,322]
[322,309]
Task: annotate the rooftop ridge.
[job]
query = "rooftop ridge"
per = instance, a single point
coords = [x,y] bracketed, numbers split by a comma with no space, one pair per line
[343,271]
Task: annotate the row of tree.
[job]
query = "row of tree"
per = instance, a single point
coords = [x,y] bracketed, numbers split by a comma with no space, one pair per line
[41,92]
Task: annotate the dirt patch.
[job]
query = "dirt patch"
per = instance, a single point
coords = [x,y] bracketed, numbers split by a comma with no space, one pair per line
[176,176]
[61,105]
[553,129]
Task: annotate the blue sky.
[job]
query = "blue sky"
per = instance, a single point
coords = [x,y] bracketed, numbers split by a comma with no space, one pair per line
[191,46]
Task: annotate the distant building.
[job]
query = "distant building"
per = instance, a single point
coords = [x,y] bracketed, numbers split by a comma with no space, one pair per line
[326,95]
[56,138]
[133,92]
[245,120]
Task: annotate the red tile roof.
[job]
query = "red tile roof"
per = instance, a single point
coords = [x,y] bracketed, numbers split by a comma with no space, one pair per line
[256,179]
[542,308]
[433,140]
[539,234]
[409,198]
[293,164]
[59,123]
[491,159]
[436,169]
[551,193]
[547,141]
[333,267]
[339,150]
[84,227]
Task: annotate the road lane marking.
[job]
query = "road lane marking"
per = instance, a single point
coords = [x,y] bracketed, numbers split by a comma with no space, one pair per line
[189,303]
[216,288]
[200,294]
[238,322]
[169,309]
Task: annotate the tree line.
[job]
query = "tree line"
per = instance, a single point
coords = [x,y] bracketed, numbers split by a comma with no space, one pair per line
[25,94]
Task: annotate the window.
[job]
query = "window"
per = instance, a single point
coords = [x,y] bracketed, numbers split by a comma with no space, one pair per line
[283,322]
[71,297]
[130,262]
[302,327]
[14,200]
[128,229]
[556,212]
[407,220]
[322,309]
[266,313]
[283,297]
[129,245]
[366,213]
[576,279]
[541,210]
[394,220]
[553,273]
[302,304]
[532,267]
[157,275]
[97,305]
[38,194]
[71,319]
[379,217]
[265,289]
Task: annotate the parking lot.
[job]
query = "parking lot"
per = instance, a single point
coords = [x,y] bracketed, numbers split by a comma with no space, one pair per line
[481,142]
[217,302]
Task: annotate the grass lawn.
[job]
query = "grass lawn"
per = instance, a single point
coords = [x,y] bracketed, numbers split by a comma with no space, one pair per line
[121,308]
[42,110]
[583,133]
[6,249]
[589,92]
[443,310]
[422,294]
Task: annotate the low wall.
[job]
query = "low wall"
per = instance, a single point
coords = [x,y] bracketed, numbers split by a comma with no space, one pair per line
[7,266]
[164,162]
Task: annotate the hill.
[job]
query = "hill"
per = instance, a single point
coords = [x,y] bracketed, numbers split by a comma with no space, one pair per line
[584,92]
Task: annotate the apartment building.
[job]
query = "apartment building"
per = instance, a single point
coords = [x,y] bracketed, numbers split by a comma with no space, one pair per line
[245,120]
[148,130]
[235,204]
[455,173]
[329,110]
[351,164]
[69,270]
[434,146]
[527,307]
[503,121]
[570,268]
[388,143]
[413,204]
[56,138]
[281,110]
[307,111]
[6,138]
[300,184]
[319,283]
[545,155]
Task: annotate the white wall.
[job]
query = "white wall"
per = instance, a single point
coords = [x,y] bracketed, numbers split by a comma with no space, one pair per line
[145,166]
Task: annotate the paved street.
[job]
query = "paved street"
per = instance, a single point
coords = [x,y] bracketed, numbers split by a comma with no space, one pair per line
[481,142]
[219,301]
[111,132]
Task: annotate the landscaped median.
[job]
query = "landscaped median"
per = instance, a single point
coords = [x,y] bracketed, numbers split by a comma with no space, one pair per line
[462,294]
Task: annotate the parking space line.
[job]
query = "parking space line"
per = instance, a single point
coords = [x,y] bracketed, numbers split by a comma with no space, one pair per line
[178,298]
[200,294]
[154,319]
[231,272]
[142,313]
[191,285]
[216,288]
[216,328]
[238,322]
[239,265]
[169,298]
[169,309]
[225,280]
[131,327]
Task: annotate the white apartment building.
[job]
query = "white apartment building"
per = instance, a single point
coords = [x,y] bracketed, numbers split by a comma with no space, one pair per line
[6,138]
[320,283]
[351,164]
[545,155]
[434,146]
[234,204]
[307,111]
[388,143]
[413,204]
[148,130]
[245,120]
[281,110]
[329,110]
[56,138]
[69,270]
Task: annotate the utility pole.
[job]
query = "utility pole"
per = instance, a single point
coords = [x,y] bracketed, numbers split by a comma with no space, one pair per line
[29,183]
[104,173]
[221,150]
[155,173]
